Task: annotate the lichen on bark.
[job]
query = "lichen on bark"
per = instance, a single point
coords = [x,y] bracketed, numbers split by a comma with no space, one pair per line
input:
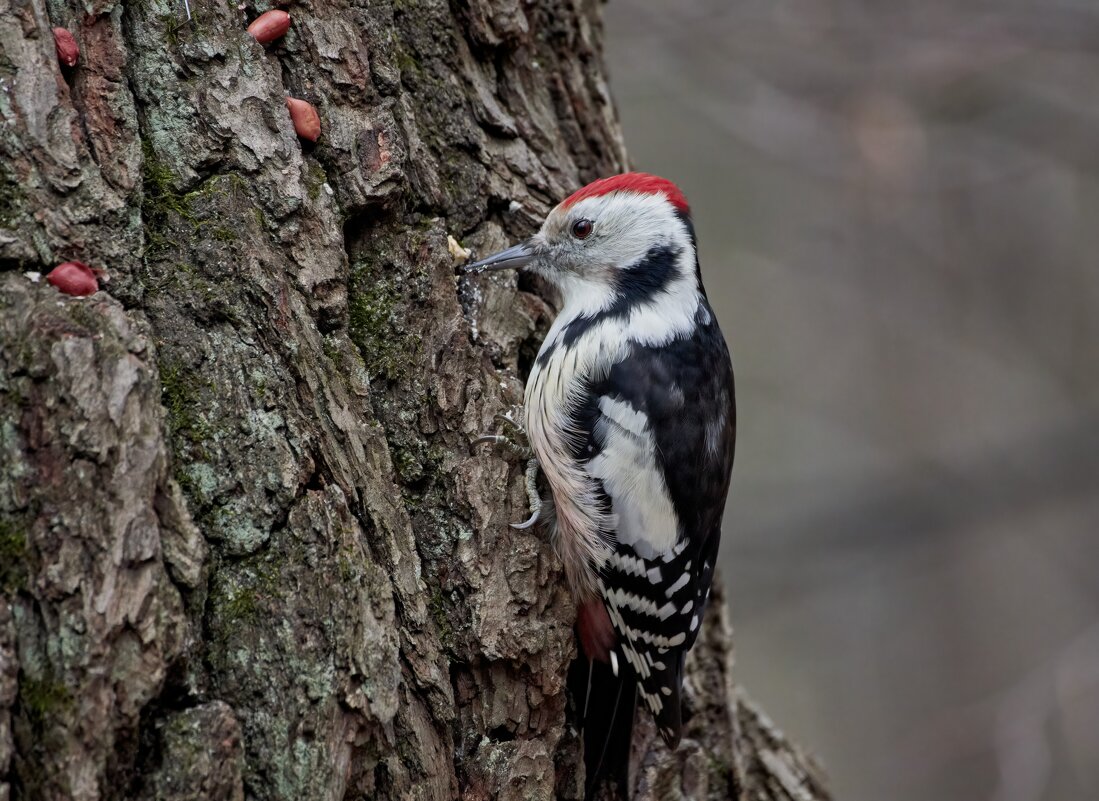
[245,548]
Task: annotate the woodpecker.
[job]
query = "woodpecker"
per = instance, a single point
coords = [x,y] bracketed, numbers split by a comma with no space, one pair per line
[630,413]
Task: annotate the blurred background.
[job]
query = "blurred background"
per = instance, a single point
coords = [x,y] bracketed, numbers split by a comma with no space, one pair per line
[898,214]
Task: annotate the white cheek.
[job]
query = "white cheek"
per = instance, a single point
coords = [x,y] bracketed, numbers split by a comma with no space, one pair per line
[627,226]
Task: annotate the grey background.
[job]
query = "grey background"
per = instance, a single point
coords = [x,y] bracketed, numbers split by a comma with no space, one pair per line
[898,215]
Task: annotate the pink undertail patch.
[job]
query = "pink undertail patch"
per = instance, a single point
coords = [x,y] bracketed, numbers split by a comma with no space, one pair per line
[596,632]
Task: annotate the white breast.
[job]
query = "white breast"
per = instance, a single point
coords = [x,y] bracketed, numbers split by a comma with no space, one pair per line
[554,389]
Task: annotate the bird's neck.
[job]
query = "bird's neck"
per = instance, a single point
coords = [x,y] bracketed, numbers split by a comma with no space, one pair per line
[650,303]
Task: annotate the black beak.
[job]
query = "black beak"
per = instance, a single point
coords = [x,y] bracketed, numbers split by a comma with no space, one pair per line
[513,258]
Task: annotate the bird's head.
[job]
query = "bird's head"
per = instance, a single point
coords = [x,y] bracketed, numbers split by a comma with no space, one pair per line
[620,237]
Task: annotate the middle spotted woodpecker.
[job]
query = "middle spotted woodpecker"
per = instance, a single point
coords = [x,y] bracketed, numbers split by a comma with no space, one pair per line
[630,413]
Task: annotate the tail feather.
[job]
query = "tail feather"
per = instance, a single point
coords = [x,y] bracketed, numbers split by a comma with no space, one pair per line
[669,718]
[607,712]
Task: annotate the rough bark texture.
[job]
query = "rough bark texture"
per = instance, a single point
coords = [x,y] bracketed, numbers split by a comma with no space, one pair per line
[245,547]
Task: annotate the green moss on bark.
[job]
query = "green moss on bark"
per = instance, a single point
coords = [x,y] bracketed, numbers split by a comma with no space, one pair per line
[166,211]
[11,200]
[375,313]
[180,396]
[41,699]
[13,556]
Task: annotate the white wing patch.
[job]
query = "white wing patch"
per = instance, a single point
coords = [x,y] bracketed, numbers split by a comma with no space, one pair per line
[624,415]
[633,481]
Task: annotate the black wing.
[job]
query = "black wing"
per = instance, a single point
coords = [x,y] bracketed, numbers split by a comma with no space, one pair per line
[659,434]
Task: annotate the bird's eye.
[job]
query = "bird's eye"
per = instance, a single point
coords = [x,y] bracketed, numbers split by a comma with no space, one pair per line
[581,229]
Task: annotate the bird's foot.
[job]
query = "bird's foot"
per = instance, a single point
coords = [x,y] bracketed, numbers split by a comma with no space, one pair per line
[513,439]
[530,481]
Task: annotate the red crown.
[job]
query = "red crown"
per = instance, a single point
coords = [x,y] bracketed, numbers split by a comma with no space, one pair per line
[631,182]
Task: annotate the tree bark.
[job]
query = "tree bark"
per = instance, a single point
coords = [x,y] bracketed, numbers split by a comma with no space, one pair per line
[246,549]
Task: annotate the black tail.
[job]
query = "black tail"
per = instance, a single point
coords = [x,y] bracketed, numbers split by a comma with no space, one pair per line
[606,705]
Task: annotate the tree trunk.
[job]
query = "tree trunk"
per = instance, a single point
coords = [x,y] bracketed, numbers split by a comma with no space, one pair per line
[246,549]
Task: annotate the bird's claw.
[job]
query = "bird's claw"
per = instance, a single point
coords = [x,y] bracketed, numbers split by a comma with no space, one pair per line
[530,521]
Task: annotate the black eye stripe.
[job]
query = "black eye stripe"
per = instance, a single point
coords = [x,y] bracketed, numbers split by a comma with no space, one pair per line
[582,229]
